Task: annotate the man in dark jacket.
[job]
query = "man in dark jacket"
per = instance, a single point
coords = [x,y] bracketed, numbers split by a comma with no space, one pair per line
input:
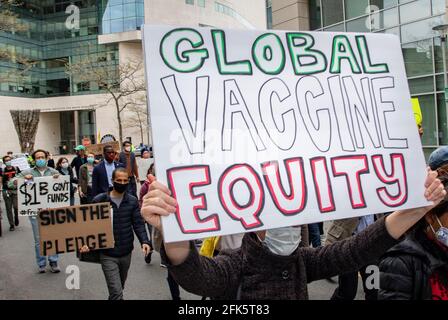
[102,173]
[79,160]
[127,158]
[127,219]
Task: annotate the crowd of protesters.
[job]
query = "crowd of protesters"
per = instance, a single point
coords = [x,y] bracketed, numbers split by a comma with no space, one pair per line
[410,247]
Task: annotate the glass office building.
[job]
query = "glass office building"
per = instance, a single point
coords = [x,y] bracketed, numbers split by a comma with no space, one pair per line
[412,22]
[50,41]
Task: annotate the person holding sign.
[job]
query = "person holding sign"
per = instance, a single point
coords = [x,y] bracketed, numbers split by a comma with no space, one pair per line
[9,194]
[40,158]
[126,220]
[420,262]
[85,179]
[127,158]
[270,264]
[64,169]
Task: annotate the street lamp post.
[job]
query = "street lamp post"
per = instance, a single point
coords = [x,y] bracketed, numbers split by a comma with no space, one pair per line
[442,29]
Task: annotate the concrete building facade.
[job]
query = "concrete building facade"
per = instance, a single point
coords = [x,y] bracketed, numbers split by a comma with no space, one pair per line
[72,110]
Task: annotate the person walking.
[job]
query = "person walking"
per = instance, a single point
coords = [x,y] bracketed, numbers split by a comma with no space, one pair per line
[102,173]
[127,158]
[64,169]
[79,160]
[270,264]
[143,191]
[127,219]
[85,180]
[9,194]
[40,158]
[417,268]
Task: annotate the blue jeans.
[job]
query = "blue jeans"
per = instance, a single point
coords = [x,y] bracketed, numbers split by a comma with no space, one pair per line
[314,234]
[40,260]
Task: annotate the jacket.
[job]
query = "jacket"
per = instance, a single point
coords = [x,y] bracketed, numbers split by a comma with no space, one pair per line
[143,191]
[253,272]
[134,168]
[100,181]
[341,229]
[406,268]
[83,181]
[126,220]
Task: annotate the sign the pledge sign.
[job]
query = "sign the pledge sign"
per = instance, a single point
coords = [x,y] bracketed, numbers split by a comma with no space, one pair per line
[261,129]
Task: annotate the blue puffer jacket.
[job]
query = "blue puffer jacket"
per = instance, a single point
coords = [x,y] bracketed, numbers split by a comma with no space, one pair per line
[126,219]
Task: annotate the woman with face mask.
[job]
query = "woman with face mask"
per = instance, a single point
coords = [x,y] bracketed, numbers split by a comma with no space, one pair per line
[270,264]
[85,180]
[417,268]
[64,169]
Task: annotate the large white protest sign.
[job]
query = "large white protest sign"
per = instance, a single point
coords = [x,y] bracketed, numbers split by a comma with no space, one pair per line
[262,129]
[21,163]
[42,193]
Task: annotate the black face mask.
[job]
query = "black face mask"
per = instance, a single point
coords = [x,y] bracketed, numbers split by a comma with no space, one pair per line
[120,187]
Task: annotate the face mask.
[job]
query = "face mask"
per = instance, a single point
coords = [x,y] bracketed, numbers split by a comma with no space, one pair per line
[120,187]
[90,160]
[283,241]
[64,165]
[127,149]
[41,163]
[441,234]
[8,163]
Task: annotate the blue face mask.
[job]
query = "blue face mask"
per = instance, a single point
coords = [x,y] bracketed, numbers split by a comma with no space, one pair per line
[90,160]
[41,163]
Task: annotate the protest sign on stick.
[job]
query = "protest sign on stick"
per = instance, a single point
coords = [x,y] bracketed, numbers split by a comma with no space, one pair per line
[21,163]
[97,149]
[255,130]
[42,193]
[68,229]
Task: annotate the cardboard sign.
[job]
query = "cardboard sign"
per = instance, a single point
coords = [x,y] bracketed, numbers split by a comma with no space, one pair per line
[42,193]
[97,149]
[68,229]
[21,163]
[143,166]
[264,129]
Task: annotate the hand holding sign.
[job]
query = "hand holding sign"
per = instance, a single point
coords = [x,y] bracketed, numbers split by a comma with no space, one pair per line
[157,202]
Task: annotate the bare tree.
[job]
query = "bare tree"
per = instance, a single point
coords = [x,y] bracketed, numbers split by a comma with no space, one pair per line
[26,123]
[137,117]
[122,83]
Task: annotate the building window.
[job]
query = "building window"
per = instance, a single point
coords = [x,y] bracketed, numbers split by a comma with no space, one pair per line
[269,14]
[333,11]
[356,8]
[201,3]
[315,11]
[191,2]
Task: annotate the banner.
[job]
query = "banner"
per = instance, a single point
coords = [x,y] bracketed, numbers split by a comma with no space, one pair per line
[21,163]
[68,229]
[143,166]
[255,130]
[97,149]
[42,193]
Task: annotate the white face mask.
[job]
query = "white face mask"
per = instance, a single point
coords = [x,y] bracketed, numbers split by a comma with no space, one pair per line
[283,241]
[127,149]
[64,165]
